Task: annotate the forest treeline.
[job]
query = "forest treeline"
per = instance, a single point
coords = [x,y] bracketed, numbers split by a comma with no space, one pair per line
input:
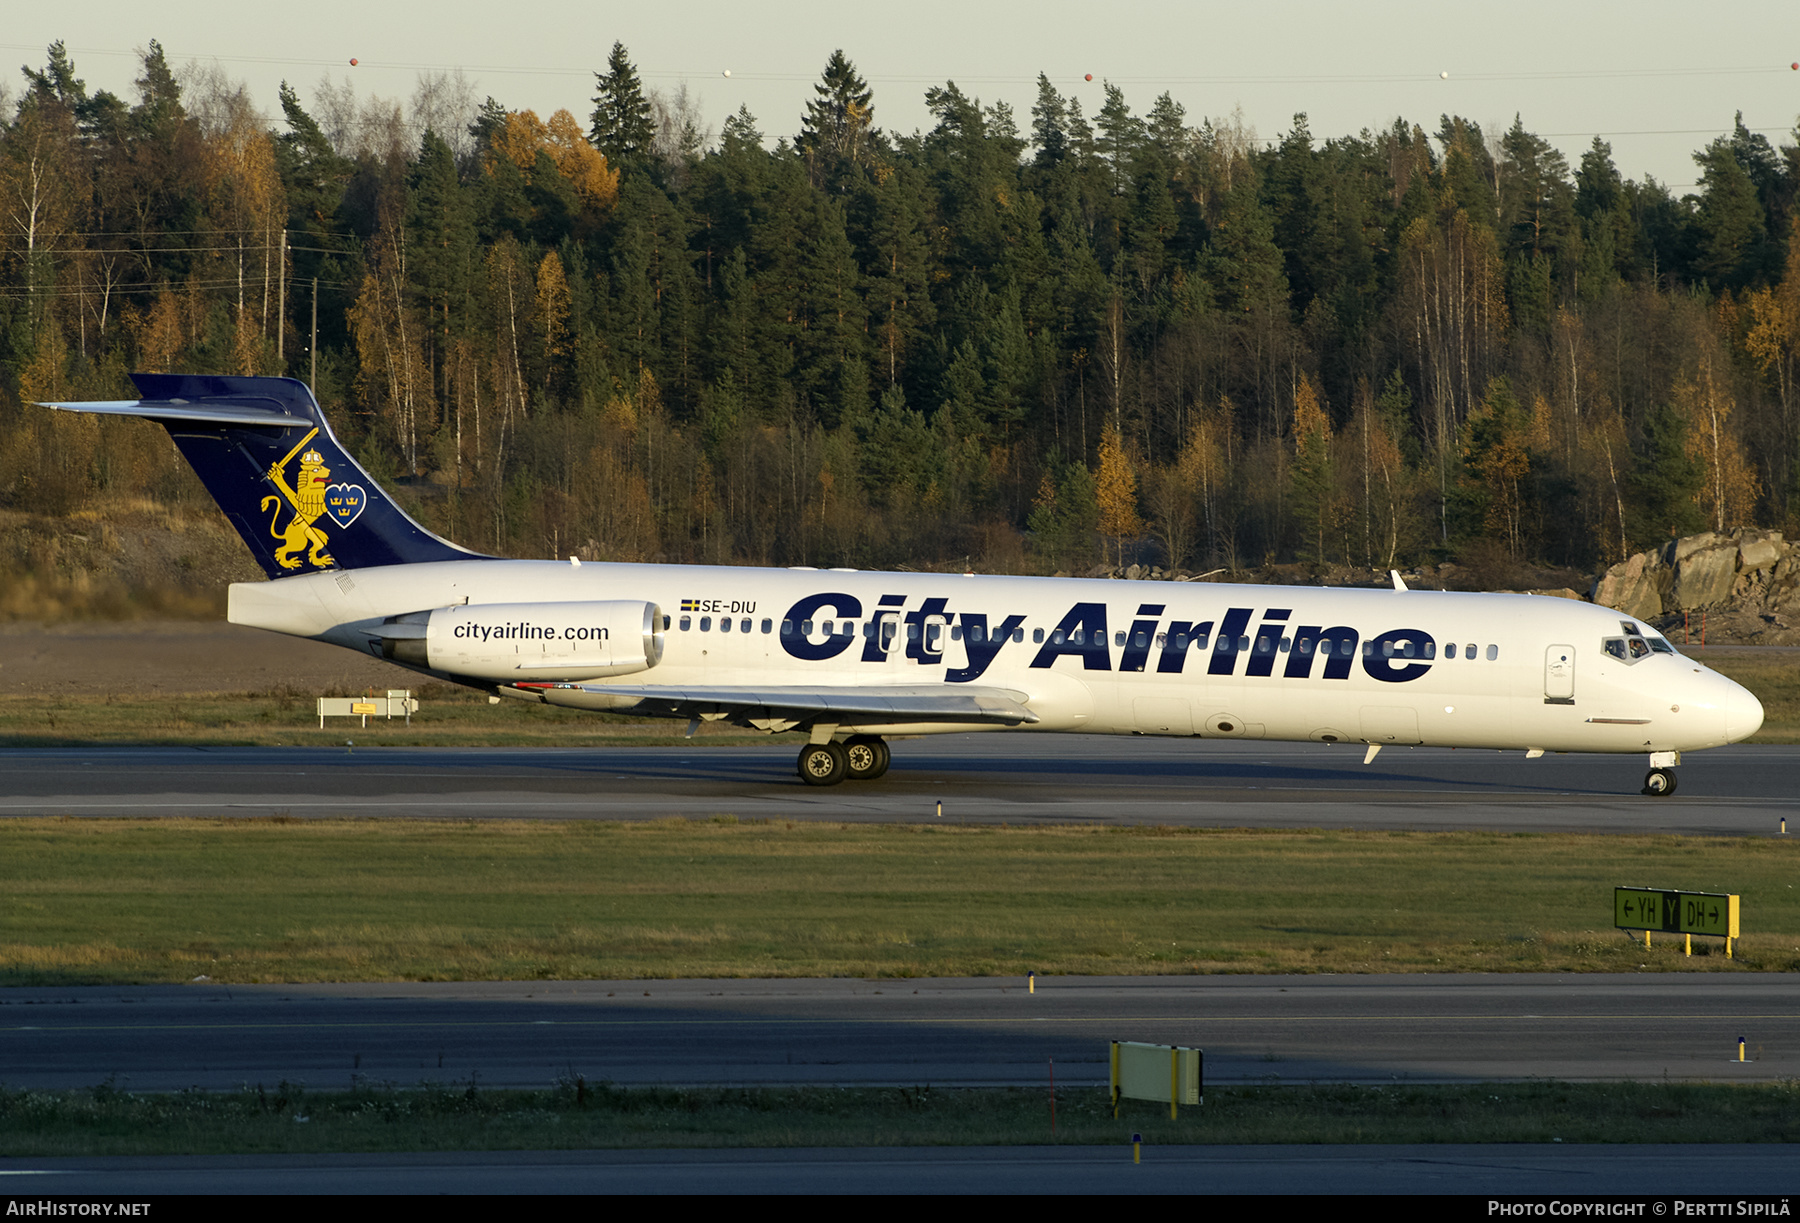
[1025,343]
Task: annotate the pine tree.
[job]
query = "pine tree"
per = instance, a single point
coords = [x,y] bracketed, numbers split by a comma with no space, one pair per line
[623,126]
[838,132]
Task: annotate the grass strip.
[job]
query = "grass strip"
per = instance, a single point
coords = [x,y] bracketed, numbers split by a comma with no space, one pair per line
[447,717]
[576,1115]
[285,900]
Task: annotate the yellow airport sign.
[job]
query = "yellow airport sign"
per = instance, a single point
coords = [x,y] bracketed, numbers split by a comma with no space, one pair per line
[1714,913]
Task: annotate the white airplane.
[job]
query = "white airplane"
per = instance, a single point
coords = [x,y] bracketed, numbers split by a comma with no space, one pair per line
[849,657]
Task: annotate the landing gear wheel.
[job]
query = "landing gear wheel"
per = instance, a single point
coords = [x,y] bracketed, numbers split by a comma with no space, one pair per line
[1659,783]
[868,757]
[823,764]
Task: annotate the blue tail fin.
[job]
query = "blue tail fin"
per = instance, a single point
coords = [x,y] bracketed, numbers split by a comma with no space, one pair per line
[262,448]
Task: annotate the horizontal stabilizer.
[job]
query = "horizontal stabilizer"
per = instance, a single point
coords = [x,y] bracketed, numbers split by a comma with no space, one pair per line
[189,413]
[864,705]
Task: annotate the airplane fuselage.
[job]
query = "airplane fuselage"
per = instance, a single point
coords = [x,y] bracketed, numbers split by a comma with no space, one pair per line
[1109,657]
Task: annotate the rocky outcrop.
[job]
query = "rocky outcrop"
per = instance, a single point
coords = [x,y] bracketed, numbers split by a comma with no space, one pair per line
[1746,584]
[1631,587]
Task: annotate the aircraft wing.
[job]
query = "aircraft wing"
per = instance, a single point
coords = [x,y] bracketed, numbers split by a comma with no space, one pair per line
[863,705]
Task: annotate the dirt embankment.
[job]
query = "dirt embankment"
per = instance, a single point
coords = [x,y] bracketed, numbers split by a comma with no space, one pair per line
[91,659]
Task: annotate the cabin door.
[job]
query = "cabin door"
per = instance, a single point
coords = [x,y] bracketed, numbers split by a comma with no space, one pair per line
[1559,675]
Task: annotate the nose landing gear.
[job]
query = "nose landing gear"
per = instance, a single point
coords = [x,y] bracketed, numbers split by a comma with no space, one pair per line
[1659,782]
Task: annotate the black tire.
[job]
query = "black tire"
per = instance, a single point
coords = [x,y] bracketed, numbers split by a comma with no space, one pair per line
[823,764]
[1659,783]
[868,757]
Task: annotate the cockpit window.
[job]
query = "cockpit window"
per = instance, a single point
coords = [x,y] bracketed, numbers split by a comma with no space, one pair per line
[1633,649]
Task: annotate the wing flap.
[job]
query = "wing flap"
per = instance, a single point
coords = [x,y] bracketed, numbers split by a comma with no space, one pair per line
[895,703]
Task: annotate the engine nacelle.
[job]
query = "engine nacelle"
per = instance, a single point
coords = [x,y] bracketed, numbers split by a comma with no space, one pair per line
[511,642]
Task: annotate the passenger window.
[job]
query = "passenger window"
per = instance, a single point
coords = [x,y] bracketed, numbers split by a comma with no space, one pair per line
[665,624]
[1243,644]
[1181,641]
[1162,641]
[1019,635]
[1056,636]
[1119,638]
[706,624]
[787,628]
[1037,636]
[1285,643]
[806,628]
[829,629]
[1493,652]
[1469,651]
[1140,641]
[956,633]
[1079,636]
[1450,650]
[1430,650]
[912,631]
[766,626]
[686,623]
[932,632]
[1201,640]
[888,629]
[1304,645]
[724,624]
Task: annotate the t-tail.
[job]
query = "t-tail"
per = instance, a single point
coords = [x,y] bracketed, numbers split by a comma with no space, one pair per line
[262,448]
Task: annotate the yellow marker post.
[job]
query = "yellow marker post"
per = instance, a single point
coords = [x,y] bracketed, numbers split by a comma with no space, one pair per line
[1031,982]
[1137,1148]
[1740,1048]
[1690,943]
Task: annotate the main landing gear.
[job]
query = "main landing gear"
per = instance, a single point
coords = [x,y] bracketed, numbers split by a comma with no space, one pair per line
[858,758]
[1659,782]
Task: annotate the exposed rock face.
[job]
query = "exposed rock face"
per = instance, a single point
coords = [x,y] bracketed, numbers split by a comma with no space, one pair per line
[1631,587]
[1748,582]
[1705,578]
[1701,572]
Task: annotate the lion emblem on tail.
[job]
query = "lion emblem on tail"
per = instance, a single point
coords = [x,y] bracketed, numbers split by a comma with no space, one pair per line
[307,497]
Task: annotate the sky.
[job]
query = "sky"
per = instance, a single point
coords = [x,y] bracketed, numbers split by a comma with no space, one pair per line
[1656,79]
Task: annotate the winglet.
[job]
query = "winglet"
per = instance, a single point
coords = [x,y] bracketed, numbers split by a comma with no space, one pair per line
[1398,583]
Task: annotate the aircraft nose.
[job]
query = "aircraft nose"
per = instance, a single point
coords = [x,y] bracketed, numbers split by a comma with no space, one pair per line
[1743,714]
